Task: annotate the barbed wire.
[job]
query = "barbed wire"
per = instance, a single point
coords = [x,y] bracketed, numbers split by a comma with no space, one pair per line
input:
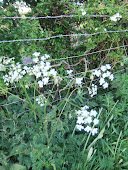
[90,98]
[21,113]
[92,81]
[112,48]
[51,81]
[61,36]
[87,91]
[70,57]
[75,74]
[54,17]
[24,100]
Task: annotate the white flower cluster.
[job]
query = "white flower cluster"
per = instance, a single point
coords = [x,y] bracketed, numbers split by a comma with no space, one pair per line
[15,74]
[69,72]
[102,73]
[4,62]
[93,90]
[41,100]
[40,68]
[79,81]
[83,12]
[116,17]
[2,67]
[88,119]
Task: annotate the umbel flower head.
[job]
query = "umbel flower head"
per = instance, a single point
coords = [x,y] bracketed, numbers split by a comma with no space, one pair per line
[40,68]
[116,17]
[79,81]
[41,100]
[86,120]
[104,74]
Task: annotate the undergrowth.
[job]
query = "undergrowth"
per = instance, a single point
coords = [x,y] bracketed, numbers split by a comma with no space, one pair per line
[47,139]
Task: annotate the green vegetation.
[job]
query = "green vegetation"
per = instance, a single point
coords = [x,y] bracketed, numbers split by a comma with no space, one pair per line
[78,67]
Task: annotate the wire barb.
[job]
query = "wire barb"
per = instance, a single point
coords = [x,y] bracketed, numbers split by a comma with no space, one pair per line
[61,36]
[54,17]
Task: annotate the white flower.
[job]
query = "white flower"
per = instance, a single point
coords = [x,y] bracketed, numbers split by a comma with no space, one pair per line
[42,64]
[79,81]
[41,100]
[26,86]
[45,80]
[113,18]
[95,121]
[85,107]
[25,68]
[35,60]
[111,77]
[97,73]
[102,81]
[105,29]
[88,129]
[79,127]
[46,56]
[80,120]
[19,70]
[93,113]
[36,54]
[47,66]
[36,69]
[104,75]
[88,119]
[108,66]
[43,58]
[53,72]
[69,72]
[85,113]
[83,12]
[116,17]
[96,29]
[23,72]
[2,67]
[38,74]
[79,112]
[40,83]
[94,131]
[108,73]
[93,90]
[103,68]
[105,85]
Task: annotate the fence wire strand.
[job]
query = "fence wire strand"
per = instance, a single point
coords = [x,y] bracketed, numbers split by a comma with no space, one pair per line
[51,81]
[54,17]
[84,54]
[61,36]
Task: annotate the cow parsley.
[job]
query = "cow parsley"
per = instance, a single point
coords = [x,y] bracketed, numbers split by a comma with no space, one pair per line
[116,17]
[86,120]
[40,69]
[104,74]
[79,81]
[41,100]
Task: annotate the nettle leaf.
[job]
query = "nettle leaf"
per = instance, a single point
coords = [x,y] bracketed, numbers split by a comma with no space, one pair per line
[17,167]
[13,98]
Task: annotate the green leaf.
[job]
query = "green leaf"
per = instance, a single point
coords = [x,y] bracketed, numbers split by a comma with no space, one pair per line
[2,168]
[17,167]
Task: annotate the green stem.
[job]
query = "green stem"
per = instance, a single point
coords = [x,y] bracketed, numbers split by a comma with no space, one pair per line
[91,132]
[30,103]
[61,112]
